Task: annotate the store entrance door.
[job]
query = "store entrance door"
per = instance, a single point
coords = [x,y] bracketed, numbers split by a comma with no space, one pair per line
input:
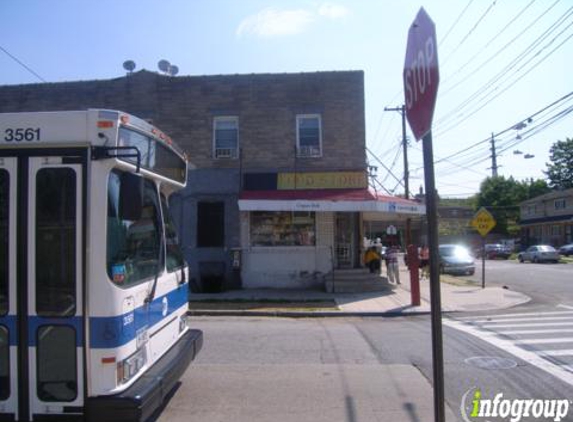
[345,240]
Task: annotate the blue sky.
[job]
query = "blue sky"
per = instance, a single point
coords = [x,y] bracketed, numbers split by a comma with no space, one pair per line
[501,61]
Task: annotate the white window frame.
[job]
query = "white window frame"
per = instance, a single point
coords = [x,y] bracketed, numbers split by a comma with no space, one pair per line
[225,153]
[304,153]
[560,204]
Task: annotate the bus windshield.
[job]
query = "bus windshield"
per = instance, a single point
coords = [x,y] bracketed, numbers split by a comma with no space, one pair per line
[155,156]
[133,247]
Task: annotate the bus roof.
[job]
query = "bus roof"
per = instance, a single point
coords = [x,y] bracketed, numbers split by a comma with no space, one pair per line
[93,127]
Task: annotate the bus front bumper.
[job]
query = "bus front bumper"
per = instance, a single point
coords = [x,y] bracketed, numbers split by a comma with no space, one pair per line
[148,393]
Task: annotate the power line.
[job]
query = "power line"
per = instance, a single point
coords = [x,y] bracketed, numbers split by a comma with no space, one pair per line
[455,22]
[470,32]
[487,90]
[22,64]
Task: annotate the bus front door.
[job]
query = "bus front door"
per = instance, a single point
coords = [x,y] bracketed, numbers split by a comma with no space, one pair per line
[41,286]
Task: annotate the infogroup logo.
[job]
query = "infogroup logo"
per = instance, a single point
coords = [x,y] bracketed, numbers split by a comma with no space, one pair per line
[475,408]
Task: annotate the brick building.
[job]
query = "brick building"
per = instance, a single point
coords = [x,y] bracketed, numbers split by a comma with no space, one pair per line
[279,167]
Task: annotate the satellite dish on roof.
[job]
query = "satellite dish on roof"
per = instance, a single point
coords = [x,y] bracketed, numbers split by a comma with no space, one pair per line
[163,65]
[173,70]
[129,65]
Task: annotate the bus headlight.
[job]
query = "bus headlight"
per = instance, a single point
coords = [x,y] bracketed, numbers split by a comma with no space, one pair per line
[127,368]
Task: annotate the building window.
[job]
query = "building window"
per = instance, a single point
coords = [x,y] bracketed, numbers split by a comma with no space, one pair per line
[226,137]
[282,228]
[555,230]
[560,204]
[210,224]
[308,135]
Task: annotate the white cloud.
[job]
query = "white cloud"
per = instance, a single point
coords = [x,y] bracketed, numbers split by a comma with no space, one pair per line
[332,11]
[272,22]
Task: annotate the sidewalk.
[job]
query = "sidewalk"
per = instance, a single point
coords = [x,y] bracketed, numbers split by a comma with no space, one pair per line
[393,300]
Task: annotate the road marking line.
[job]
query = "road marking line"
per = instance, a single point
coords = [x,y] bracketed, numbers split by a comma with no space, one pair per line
[555,352]
[509,347]
[530,324]
[544,340]
[515,332]
[526,314]
[564,306]
[548,318]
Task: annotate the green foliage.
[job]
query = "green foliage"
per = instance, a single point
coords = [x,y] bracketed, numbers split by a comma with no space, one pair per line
[502,196]
[560,169]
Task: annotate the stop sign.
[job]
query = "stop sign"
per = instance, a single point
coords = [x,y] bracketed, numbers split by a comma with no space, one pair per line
[421,74]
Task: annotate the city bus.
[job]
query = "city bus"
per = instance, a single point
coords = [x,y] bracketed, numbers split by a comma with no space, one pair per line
[93,283]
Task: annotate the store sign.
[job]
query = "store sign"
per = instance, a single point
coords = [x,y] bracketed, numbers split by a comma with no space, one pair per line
[323,180]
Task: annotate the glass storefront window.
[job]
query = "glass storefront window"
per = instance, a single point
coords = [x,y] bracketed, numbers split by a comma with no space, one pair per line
[282,228]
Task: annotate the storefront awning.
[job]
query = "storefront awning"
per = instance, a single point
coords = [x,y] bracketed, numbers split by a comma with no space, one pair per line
[321,200]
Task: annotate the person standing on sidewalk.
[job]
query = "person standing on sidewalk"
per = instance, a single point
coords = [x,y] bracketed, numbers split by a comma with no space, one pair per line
[372,259]
[393,266]
[425,262]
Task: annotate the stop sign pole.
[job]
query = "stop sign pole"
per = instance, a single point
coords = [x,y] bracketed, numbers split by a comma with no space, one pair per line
[421,78]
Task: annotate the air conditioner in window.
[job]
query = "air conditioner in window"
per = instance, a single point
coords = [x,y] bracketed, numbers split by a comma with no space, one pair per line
[225,153]
[309,151]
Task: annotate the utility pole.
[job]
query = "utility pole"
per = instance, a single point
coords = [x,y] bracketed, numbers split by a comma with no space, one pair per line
[402,111]
[494,165]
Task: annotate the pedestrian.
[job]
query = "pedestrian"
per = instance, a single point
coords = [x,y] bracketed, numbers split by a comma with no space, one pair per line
[393,265]
[372,259]
[425,262]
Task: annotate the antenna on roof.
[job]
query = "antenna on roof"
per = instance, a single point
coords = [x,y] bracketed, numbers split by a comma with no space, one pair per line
[129,65]
[173,70]
[163,65]
[167,68]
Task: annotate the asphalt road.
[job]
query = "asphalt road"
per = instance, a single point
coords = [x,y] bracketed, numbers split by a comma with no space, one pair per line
[546,283]
[344,369]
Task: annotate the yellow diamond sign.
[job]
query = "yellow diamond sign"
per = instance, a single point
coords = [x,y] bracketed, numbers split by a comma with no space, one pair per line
[483,221]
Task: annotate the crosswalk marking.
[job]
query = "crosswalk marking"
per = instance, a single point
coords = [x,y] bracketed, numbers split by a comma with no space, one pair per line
[544,340]
[518,332]
[533,324]
[556,352]
[522,319]
[499,330]
[526,314]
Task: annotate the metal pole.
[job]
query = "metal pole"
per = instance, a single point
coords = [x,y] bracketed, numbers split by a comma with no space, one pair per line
[483,263]
[435,299]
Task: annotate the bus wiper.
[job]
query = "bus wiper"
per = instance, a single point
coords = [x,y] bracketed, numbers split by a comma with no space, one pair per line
[151,294]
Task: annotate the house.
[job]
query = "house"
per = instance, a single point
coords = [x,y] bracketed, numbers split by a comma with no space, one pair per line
[547,219]
[279,190]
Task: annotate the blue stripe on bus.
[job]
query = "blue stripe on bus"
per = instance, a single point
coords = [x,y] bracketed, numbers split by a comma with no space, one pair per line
[105,332]
[115,331]
[35,322]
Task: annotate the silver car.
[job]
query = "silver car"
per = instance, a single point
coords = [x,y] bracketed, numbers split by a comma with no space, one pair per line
[539,253]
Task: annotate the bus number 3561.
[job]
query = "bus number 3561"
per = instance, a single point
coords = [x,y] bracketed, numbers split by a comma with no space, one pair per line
[22,134]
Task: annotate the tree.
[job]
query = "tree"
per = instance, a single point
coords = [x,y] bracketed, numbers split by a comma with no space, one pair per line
[560,169]
[502,196]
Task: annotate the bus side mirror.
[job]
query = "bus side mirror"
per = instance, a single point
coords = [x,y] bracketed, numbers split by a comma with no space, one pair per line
[130,196]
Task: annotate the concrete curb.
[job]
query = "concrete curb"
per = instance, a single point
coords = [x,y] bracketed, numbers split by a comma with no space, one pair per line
[304,314]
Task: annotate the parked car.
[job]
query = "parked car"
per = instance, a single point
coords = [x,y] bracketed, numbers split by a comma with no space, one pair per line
[456,259]
[566,249]
[497,250]
[539,253]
